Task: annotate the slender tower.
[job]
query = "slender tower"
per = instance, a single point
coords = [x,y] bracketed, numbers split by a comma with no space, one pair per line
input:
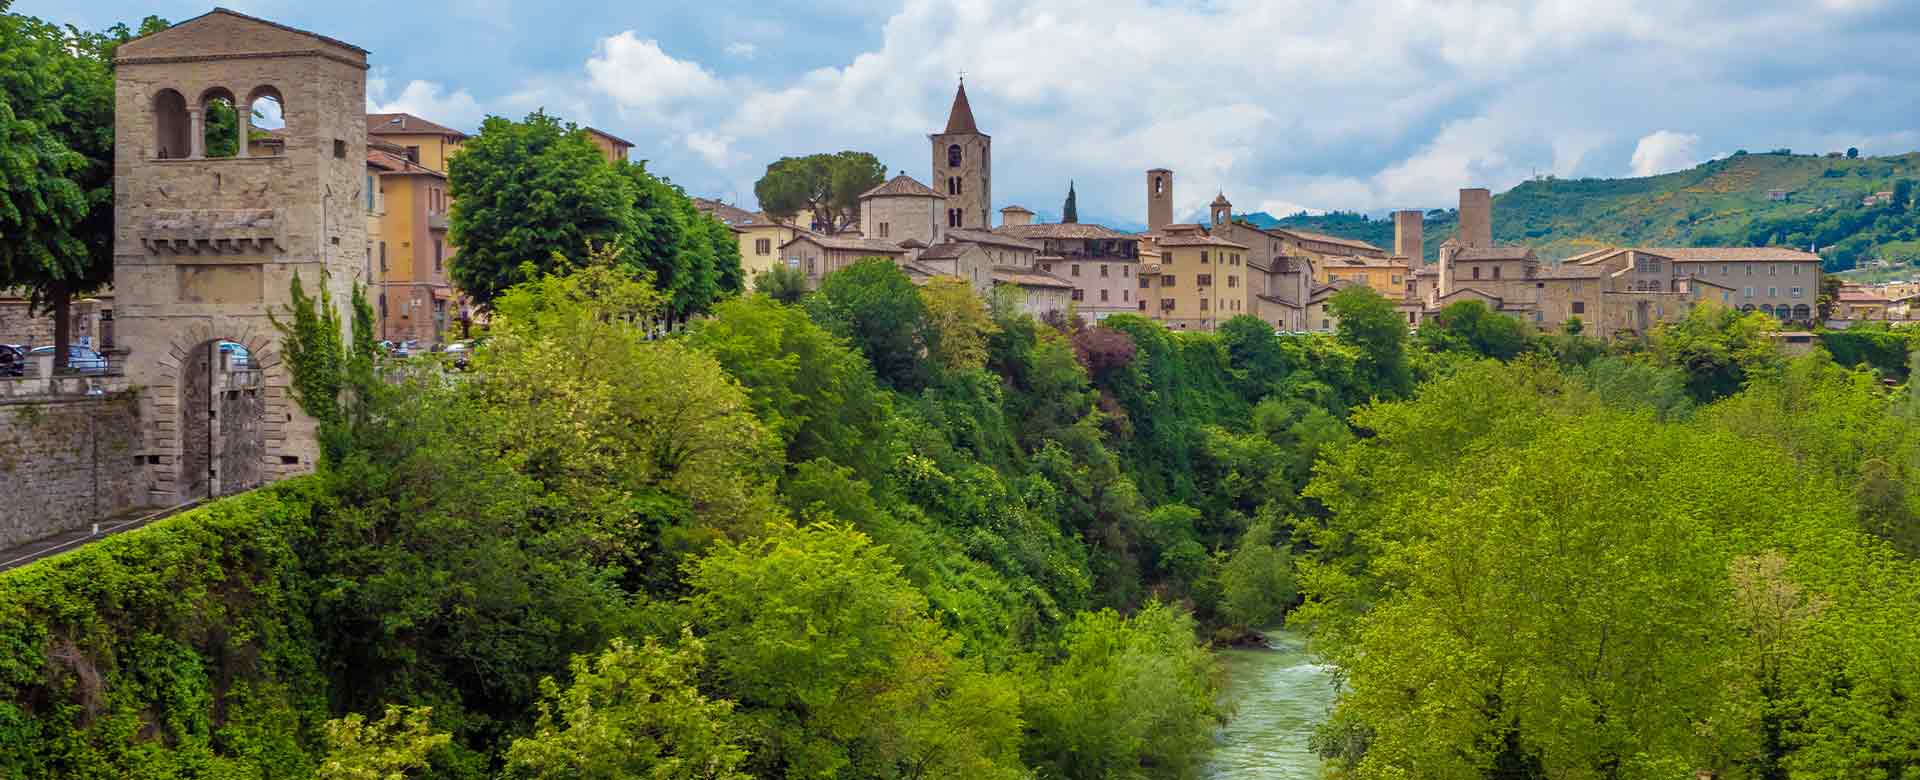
[963,167]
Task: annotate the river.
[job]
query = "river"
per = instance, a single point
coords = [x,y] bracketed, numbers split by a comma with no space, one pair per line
[1279,695]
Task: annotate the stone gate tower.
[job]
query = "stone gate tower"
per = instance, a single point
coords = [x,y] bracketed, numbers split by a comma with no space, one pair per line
[963,167]
[206,246]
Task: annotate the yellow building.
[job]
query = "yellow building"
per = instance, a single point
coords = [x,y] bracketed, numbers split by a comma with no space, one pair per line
[1386,275]
[408,255]
[421,142]
[760,236]
[1200,282]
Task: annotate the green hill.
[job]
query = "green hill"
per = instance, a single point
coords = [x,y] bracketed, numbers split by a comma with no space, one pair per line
[1724,202]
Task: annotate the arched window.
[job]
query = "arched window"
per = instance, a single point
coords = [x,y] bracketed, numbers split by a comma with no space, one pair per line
[266,113]
[220,124]
[1802,313]
[1159,185]
[174,132]
[953,154]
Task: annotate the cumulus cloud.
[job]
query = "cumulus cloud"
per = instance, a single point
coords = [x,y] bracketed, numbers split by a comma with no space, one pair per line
[1664,151]
[638,74]
[1313,104]
[425,99]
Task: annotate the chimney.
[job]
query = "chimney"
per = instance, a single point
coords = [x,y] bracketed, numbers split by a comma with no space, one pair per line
[1407,235]
[1476,218]
[1159,198]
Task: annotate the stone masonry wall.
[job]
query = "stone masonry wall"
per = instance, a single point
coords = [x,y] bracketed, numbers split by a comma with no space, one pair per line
[66,463]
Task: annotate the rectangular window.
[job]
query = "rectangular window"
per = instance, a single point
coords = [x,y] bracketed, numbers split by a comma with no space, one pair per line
[1103,270]
[1076,269]
[1796,292]
[1166,304]
[1773,270]
[1103,296]
[1579,307]
[1396,279]
[763,246]
[1773,292]
[1233,281]
[1078,294]
[884,229]
[1204,280]
[1496,272]
[413,154]
[1125,272]
[1749,292]
[439,255]
[1476,272]
[1203,256]
[383,255]
[1126,296]
[1048,267]
[1145,282]
[1166,280]
[1143,305]
[1203,304]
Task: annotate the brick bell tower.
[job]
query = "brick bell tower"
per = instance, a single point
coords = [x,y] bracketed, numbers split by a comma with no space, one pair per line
[963,167]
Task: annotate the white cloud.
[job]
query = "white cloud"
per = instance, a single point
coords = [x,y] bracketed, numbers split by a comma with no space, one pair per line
[427,100]
[1665,151]
[742,50]
[638,74]
[716,149]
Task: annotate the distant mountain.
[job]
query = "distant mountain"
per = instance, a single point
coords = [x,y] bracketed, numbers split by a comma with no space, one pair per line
[1828,202]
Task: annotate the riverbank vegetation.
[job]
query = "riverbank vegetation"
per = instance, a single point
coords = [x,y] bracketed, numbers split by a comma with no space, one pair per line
[893,531]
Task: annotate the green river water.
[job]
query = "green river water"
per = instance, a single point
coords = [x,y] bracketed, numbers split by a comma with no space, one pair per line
[1279,695]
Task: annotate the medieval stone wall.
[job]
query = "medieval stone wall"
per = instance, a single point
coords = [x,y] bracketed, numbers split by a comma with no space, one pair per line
[65,463]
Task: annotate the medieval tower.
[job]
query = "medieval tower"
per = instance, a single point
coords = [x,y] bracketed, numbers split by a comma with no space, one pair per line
[210,231]
[1159,198]
[963,167]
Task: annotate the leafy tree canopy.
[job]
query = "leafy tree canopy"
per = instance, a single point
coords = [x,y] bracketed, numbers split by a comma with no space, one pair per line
[827,186]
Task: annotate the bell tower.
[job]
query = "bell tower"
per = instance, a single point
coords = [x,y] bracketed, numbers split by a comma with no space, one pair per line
[1159,198]
[963,167]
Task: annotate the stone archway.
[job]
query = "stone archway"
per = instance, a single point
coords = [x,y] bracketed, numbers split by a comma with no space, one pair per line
[221,414]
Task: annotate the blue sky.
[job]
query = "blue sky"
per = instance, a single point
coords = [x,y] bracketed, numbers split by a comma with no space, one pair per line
[1284,104]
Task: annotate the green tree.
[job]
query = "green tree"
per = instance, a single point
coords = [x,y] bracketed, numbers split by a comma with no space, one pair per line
[1469,326]
[781,283]
[531,195]
[1070,211]
[1853,153]
[1256,582]
[692,256]
[960,322]
[395,747]
[873,305]
[1719,349]
[631,712]
[838,669]
[809,387]
[1829,295]
[1131,698]
[826,185]
[56,162]
[1370,324]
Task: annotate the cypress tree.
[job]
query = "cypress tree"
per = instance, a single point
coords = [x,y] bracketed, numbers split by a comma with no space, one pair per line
[1070,212]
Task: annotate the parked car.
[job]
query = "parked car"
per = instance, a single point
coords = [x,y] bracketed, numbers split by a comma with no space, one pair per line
[80,360]
[238,356]
[13,360]
[462,354]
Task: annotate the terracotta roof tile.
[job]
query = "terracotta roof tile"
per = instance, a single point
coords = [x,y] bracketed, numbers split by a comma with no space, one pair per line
[900,185]
[1696,254]
[991,238]
[406,124]
[1030,278]
[1201,241]
[1494,253]
[1069,230]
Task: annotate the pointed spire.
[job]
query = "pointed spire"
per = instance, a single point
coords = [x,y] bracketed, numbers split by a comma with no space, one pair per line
[960,119]
[1070,211]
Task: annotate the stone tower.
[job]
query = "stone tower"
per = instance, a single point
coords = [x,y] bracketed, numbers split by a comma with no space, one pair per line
[205,247]
[1220,210]
[963,167]
[1476,218]
[1408,228]
[1159,198]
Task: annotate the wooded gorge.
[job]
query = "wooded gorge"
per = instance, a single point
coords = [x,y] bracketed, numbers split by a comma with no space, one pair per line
[888,531]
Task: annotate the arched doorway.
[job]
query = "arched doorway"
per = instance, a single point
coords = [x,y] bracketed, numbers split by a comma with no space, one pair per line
[222,441]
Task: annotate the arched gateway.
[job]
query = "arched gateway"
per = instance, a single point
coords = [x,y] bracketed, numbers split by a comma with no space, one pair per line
[206,245]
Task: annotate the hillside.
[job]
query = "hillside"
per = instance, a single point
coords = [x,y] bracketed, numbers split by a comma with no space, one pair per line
[1717,203]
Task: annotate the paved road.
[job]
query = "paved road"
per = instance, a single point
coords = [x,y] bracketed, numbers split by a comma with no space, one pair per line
[15,557]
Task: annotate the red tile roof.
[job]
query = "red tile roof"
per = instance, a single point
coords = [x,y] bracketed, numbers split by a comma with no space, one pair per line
[406,124]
